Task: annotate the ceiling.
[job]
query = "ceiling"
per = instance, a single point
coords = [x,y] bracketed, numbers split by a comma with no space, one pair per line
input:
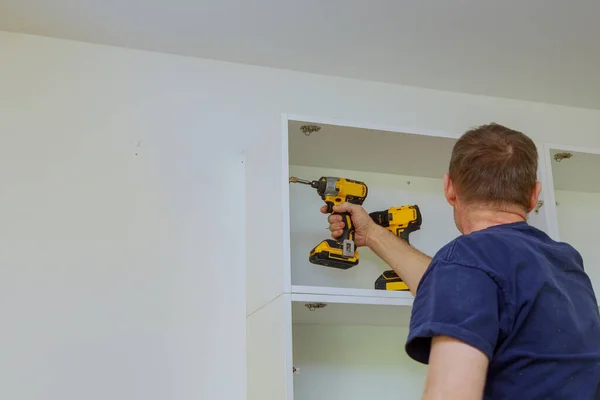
[540,50]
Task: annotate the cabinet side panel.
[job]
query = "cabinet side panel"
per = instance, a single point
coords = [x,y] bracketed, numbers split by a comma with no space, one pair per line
[269,344]
[265,246]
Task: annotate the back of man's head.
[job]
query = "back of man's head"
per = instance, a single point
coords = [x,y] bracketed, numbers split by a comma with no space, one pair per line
[494,166]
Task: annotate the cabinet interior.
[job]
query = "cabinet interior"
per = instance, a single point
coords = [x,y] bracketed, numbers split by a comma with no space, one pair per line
[576,181]
[398,169]
[355,359]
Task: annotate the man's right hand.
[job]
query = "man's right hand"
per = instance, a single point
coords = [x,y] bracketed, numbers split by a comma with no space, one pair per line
[364,227]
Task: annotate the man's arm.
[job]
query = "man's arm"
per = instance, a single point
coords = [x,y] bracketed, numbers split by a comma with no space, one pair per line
[457,371]
[455,328]
[406,261]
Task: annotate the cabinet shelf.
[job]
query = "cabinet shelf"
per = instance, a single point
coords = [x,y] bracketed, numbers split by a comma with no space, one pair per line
[344,306]
[351,296]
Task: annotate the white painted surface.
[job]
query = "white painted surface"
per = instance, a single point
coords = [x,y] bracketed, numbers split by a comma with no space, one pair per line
[269,360]
[540,215]
[541,50]
[371,150]
[111,261]
[113,264]
[579,224]
[122,233]
[308,225]
[580,173]
[350,295]
[354,363]
[267,255]
[575,198]
[339,312]
[577,174]
[549,192]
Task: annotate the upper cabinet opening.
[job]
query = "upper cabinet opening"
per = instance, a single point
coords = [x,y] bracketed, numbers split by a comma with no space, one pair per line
[398,168]
[576,192]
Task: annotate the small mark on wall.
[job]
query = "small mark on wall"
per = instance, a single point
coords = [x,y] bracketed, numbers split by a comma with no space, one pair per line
[137,146]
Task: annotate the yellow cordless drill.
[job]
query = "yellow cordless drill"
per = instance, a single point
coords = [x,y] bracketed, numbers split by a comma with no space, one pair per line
[401,221]
[341,252]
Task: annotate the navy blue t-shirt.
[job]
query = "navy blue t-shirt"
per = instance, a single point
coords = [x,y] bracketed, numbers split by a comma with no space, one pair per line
[522,299]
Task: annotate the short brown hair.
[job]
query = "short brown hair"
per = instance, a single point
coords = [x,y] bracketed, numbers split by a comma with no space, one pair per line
[494,165]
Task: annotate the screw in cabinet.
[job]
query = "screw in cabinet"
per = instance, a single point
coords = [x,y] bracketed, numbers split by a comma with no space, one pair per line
[558,157]
[314,306]
[308,129]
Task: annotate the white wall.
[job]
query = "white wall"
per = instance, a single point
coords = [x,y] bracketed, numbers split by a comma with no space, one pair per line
[122,274]
[114,282]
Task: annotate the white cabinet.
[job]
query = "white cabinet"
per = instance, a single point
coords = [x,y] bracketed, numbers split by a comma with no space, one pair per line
[317,332]
[574,195]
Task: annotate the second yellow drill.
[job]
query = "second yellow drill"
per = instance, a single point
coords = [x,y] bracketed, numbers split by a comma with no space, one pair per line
[401,221]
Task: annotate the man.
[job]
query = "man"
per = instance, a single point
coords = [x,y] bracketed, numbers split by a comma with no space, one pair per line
[502,311]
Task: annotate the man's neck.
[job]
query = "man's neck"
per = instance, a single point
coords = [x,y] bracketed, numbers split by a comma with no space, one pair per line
[479,219]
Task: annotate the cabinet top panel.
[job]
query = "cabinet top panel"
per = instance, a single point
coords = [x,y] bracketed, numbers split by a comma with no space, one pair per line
[575,171]
[349,314]
[342,147]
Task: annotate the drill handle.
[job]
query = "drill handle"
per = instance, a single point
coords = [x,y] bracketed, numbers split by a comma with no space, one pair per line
[347,220]
[404,234]
[348,228]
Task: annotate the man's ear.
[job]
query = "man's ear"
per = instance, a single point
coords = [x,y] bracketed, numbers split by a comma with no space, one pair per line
[535,195]
[449,190]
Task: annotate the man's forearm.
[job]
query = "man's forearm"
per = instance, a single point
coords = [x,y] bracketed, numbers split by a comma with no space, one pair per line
[406,261]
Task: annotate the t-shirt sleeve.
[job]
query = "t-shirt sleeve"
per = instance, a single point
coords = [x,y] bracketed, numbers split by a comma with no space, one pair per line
[457,301]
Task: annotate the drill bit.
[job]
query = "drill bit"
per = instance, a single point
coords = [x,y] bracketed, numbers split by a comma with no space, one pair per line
[293,179]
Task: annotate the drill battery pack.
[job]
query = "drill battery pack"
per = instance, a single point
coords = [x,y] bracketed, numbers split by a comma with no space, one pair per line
[334,254]
[389,280]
